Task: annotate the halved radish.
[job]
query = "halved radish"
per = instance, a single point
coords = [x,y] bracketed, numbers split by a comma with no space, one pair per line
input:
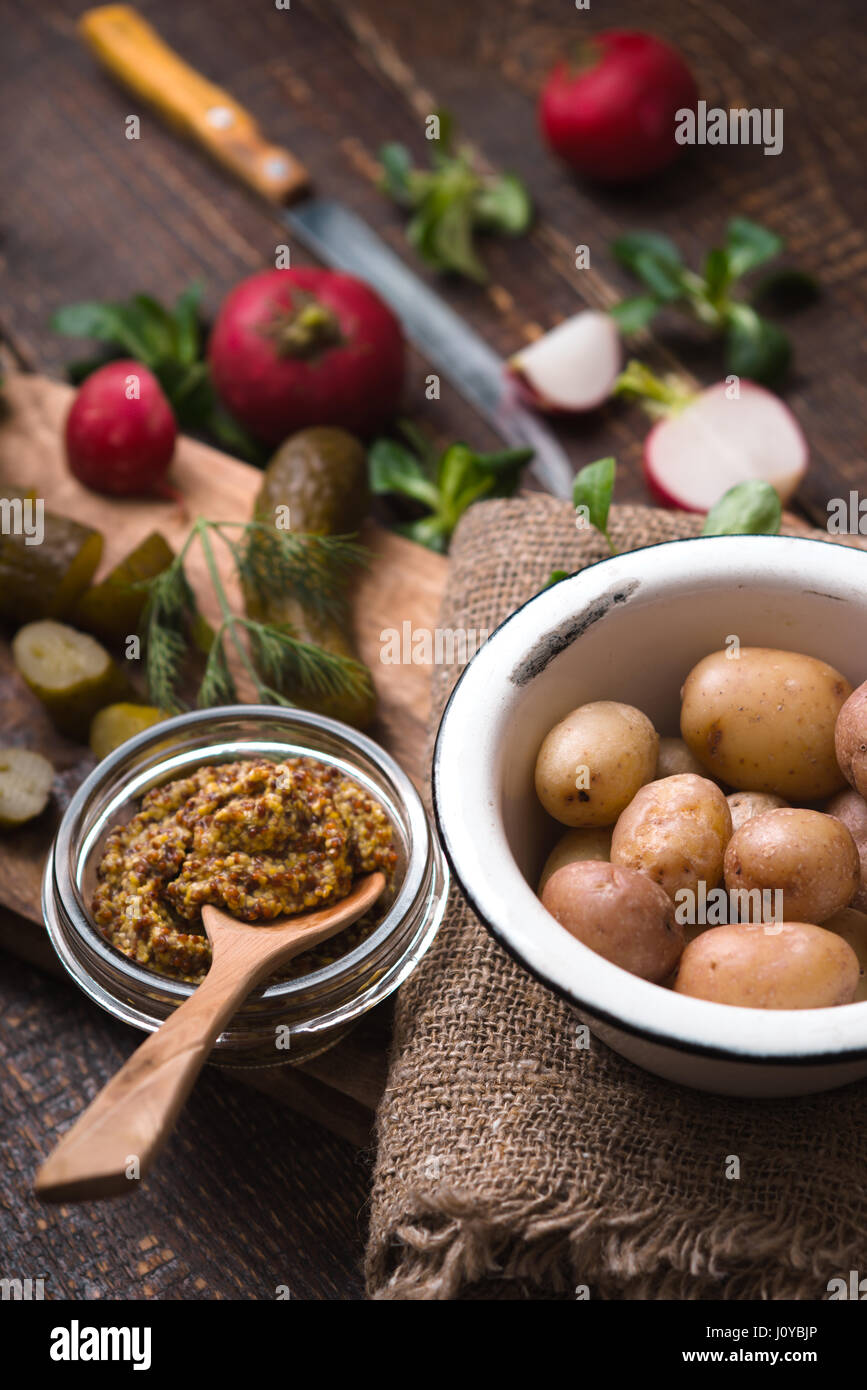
[573,367]
[695,454]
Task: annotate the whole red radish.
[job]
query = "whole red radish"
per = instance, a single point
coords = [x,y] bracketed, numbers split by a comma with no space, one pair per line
[612,115]
[294,348]
[718,439]
[120,432]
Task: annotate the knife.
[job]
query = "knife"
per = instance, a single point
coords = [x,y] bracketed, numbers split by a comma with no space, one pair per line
[135,54]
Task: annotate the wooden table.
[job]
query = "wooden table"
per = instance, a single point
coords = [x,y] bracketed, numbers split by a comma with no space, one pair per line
[91,214]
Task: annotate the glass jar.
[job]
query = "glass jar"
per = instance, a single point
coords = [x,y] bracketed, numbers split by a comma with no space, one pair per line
[311,1012]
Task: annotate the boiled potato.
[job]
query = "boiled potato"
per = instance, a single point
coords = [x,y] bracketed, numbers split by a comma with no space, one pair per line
[810,857]
[592,763]
[852,926]
[675,757]
[675,831]
[790,965]
[745,805]
[764,721]
[618,913]
[850,739]
[594,842]
[851,809]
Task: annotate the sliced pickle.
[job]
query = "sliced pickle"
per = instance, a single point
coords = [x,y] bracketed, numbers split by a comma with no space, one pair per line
[112,609]
[69,671]
[113,725]
[43,580]
[25,786]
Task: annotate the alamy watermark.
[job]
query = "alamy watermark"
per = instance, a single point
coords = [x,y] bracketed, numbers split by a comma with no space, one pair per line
[740,126]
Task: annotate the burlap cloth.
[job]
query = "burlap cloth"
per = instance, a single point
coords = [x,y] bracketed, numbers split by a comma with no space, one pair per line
[510,1163]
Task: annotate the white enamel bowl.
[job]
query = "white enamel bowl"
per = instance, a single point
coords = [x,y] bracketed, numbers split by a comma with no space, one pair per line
[630,628]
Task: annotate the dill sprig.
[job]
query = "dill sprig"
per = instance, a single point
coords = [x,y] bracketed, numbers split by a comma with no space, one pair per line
[312,568]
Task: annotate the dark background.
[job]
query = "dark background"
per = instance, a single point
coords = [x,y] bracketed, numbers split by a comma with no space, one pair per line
[250,1196]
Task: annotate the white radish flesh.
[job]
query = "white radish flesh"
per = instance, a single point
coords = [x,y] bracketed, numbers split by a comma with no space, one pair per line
[572,368]
[692,457]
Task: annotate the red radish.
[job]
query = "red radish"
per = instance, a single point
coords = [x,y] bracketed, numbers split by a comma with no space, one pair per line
[120,432]
[612,116]
[574,367]
[292,348]
[716,440]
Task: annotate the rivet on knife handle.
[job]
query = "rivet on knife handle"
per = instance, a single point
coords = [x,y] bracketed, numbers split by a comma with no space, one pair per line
[136,55]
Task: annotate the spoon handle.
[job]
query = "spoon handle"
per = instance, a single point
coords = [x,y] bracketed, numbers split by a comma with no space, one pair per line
[122,1131]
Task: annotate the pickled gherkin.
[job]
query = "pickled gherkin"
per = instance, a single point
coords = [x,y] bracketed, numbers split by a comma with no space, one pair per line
[25,785]
[113,725]
[112,609]
[320,476]
[45,572]
[69,672]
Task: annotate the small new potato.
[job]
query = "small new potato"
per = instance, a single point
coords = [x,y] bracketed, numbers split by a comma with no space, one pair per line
[810,857]
[764,721]
[675,831]
[591,842]
[745,805]
[850,739]
[620,914]
[592,763]
[852,926]
[790,965]
[675,757]
[851,809]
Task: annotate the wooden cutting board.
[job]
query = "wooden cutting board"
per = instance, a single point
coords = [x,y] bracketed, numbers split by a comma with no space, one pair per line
[404,583]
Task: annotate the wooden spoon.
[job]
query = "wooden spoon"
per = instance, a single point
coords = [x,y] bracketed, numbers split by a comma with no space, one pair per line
[122,1131]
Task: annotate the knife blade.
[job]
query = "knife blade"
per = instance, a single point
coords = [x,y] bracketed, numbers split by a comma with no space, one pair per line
[135,54]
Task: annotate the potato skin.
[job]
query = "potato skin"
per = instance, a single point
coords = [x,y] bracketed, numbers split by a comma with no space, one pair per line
[675,831]
[616,743]
[584,842]
[764,721]
[675,757]
[851,809]
[620,914]
[791,965]
[850,739]
[809,856]
[745,805]
[852,926]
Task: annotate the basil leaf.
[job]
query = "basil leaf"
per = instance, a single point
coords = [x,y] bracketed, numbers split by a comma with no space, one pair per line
[503,205]
[633,315]
[747,509]
[593,488]
[749,245]
[755,348]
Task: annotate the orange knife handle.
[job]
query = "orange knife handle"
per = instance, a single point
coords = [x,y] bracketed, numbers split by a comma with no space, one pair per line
[135,54]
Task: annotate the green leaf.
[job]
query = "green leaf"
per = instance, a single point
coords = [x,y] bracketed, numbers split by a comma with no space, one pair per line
[593,488]
[654,259]
[396,164]
[633,315]
[749,245]
[748,509]
[554,578]
[442,232]
[755,348]
[107,323]
[187,334]
[394,469]
[717,273]
[503,205]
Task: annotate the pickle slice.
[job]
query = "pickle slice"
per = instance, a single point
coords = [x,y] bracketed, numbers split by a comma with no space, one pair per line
[69,671]
[113,725]
[25,785]
[42,577]
[112,609]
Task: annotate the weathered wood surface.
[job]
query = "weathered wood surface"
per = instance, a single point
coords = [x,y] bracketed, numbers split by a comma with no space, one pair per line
[88,213]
